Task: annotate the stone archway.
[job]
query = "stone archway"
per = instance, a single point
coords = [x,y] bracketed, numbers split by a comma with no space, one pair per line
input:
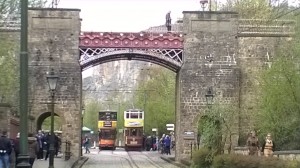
[41,119]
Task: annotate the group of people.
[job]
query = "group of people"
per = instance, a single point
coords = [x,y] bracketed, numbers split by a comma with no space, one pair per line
[254,148]
[37,144]
[163,144]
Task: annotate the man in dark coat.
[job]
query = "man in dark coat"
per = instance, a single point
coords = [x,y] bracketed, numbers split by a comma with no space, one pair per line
[5,150]
[168,21]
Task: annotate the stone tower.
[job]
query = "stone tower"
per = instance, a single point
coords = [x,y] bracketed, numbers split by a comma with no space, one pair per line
[53,40]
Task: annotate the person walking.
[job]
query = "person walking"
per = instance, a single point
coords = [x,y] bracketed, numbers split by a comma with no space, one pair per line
[5,150]
[167,145]
[33,148]
[47,144]
[86,144]
[253,144]
[268,146]
[40,140]
[17,147]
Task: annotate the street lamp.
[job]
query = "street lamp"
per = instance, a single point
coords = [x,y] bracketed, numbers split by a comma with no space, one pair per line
[209,97]
[82,114]
[203,4]
[52,81]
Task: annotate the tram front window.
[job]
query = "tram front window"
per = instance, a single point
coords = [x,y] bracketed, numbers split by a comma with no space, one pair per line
[107,134]
[133,132]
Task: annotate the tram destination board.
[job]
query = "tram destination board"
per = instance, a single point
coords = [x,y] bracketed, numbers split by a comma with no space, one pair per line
[107,116]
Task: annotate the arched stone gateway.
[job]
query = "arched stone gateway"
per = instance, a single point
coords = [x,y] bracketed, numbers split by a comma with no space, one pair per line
[41,119]
[211,52]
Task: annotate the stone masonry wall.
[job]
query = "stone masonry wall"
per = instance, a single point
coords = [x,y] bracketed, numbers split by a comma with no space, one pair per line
[255,54]
[53,40]
[210,49]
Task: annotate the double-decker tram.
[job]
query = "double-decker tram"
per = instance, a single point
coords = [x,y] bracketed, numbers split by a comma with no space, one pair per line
[133,129]
[107,125]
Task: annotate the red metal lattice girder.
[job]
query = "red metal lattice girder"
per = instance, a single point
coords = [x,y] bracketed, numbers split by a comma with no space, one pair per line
[131,40]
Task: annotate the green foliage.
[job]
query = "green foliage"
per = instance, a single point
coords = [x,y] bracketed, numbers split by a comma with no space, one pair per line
[11,8]
[280,96]
[47,123]
[90,118]
[249,9]
[245,161]
[202,158]
[216,127]
[157,98]
[8,69]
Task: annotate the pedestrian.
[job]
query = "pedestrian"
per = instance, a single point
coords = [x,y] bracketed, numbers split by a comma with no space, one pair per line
[167,144]
[40,140]
[168,21]
[33,148]
[5,150]
[268,146]
[253,144]
[17,147]
[86,144]
[162,144]
[46,145]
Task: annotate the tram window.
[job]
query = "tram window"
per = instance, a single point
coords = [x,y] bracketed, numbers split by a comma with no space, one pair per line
[133,132]
[127,115]
[141,115]
[134,115]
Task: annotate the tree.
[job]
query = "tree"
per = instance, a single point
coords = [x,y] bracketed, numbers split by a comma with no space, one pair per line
[8,69]
[90,118]
[280,96]
[217,127]
[157,97]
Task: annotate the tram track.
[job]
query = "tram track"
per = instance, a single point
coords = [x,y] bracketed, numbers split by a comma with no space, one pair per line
[150,161]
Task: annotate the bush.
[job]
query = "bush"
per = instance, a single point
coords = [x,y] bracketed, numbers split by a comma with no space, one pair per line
[242,161]
[202,158]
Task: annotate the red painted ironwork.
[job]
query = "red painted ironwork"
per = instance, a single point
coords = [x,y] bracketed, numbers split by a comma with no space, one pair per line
[145,40]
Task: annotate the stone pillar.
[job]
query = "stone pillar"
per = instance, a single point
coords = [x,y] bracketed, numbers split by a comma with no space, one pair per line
[210,46]
[53,43]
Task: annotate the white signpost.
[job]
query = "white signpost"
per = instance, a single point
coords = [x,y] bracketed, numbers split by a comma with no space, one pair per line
[170,127]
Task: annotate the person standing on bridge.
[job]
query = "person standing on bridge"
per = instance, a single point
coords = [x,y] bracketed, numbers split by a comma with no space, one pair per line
[168,21]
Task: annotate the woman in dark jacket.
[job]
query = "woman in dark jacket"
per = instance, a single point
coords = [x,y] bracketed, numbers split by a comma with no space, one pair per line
[33,148]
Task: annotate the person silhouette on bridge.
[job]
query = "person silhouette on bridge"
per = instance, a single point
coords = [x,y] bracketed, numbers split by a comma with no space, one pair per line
[168,21]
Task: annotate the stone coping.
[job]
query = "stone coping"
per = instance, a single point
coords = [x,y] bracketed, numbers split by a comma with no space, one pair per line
[55,9]
[211,12]
[287,152]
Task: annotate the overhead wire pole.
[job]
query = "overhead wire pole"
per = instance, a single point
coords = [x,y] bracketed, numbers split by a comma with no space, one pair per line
[23,157]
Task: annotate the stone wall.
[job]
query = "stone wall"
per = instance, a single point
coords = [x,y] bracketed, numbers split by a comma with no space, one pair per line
[210,50]
[256,51]
[53,40]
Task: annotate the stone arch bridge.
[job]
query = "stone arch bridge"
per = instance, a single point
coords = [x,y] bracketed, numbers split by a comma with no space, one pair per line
[214,50]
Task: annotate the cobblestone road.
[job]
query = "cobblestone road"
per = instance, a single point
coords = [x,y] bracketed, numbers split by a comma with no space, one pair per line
[119,158]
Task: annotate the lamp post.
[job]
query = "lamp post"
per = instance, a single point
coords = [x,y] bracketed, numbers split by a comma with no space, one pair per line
[52,81]
[203,4]
[209,97]
[82,114]
[23,157]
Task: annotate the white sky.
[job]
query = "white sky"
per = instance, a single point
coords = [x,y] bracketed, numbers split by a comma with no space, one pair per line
[127,15]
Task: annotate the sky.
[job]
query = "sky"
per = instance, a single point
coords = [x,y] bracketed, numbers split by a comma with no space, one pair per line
[127,15]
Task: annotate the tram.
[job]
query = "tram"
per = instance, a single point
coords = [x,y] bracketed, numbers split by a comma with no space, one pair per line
[107,125]
[133,129]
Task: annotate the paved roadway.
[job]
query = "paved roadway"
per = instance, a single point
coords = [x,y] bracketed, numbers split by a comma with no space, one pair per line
[119,158]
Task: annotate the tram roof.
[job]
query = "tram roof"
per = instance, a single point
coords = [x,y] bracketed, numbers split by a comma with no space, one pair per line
[135,110]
